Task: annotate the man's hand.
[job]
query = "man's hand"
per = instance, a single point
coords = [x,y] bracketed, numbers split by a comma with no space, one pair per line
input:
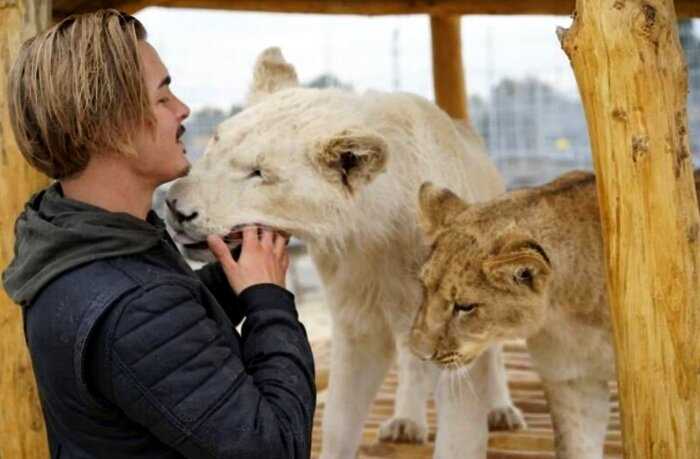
[262,261]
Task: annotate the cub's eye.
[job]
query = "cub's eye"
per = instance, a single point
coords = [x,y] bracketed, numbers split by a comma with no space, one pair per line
[523,276]
[468,308]
[255,173]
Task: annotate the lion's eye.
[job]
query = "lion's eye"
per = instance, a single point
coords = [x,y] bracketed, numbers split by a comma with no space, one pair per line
[468,308]
[255,173]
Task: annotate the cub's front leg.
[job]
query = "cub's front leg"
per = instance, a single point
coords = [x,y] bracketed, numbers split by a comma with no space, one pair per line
[504,415]
[579,409]
[463,403]
[417,379]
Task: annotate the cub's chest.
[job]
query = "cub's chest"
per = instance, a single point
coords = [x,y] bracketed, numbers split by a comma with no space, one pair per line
[567,349]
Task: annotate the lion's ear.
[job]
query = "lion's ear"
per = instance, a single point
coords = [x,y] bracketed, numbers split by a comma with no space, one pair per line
[435,207]
[519,263]
[351,158]
[271,74]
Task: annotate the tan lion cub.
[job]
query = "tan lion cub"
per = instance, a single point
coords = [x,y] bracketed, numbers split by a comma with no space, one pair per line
[526,265]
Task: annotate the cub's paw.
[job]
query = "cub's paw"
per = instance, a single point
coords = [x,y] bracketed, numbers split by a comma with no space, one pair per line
[506,418]
[403,430]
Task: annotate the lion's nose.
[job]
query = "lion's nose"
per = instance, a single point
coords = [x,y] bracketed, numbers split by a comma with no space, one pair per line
[180,216]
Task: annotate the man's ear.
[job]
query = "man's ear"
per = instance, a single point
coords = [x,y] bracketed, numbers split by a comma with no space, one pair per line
[520,262]
[436,206]
[271,74]
[351,158]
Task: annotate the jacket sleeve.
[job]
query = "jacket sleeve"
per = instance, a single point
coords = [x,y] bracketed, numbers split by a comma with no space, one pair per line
[204,390]
[213,277]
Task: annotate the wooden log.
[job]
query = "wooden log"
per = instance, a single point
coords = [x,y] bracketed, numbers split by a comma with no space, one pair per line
[22,430]
[633,81]
[685,8]
[448,72]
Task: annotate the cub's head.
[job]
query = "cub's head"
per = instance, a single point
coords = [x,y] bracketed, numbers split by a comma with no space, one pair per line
[482,283]
[295,159]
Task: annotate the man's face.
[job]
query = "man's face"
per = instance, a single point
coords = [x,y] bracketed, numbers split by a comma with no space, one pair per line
[161,154]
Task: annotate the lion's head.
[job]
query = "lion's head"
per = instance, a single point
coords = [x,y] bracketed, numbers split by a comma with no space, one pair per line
[296,160]
[484,281]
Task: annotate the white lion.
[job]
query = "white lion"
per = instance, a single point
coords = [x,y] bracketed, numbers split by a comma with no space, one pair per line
[341,172]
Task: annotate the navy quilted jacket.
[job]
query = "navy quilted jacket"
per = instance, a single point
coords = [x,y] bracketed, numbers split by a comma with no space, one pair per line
[135,355]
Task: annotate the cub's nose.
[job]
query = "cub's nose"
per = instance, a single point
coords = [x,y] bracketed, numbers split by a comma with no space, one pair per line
[421,345]
[179,215]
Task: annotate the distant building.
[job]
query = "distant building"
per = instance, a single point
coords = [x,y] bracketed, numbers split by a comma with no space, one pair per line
[528,118]
[533,132]
[327,80]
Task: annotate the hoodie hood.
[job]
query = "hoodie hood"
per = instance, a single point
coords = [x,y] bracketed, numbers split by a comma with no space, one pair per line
[55,234]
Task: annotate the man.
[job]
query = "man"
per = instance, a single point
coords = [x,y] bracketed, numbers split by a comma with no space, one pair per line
[135,355]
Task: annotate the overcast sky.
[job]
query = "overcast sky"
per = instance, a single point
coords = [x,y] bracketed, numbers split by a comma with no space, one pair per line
[210,54]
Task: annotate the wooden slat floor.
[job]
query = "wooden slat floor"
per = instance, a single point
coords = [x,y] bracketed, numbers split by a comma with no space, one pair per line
[526,390]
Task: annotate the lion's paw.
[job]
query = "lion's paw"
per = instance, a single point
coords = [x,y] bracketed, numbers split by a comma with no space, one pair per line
[506,418]
[403,430]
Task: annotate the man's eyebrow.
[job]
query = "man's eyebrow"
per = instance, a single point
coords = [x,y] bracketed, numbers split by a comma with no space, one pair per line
[166,81]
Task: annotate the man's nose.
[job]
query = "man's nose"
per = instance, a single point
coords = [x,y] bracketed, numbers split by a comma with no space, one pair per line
[179,215]
[184,111]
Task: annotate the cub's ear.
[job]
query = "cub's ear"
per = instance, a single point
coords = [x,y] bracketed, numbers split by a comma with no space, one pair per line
[271,74]
[351,158]
[435,207]
[520,263]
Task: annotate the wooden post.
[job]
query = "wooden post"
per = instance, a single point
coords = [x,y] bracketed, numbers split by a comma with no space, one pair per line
[448,72]
[633,81]
[22,433]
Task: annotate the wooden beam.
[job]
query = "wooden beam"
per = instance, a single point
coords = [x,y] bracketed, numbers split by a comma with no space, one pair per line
[633,81]
[21,421]
[448,72]
[62,8]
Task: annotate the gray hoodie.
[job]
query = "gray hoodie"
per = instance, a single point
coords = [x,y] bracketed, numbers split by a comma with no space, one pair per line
[55,234]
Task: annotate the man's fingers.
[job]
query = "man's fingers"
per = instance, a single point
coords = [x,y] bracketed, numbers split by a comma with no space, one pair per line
[250,237]
[266,240]
[220,250]
[280,245]
[285,261]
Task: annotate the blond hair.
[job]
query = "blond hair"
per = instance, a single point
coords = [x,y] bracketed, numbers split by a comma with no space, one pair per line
[78,89]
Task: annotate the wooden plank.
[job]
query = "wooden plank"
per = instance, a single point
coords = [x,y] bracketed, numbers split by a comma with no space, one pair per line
[21,421]
[685,8]
[448,71]
[633,81]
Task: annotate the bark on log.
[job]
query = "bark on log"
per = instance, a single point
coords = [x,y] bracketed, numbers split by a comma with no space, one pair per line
[633,81]
[22,430]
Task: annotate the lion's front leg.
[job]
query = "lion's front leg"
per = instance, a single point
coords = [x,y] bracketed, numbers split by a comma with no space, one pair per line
[417,381]
[580,416]
[359,362]
[463,404]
